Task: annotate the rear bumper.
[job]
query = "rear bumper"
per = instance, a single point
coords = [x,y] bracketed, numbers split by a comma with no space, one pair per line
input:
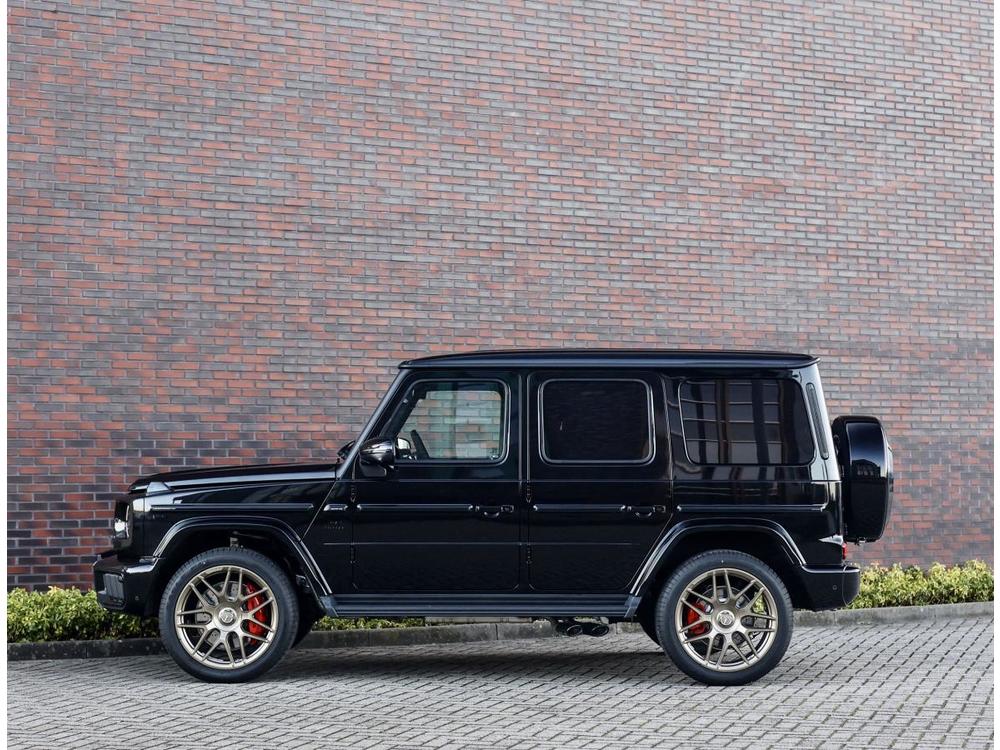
[829,588]
[123,586]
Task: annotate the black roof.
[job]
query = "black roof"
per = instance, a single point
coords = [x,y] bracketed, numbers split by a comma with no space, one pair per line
[653,358]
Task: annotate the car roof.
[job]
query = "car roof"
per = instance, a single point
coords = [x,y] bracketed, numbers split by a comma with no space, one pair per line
[649,358]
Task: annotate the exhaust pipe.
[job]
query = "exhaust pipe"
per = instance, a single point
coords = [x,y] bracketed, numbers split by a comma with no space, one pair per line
[572,628]
[569,628]
[596,629]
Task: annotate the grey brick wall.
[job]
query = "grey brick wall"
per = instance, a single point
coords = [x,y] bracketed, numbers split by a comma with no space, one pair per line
[228,222]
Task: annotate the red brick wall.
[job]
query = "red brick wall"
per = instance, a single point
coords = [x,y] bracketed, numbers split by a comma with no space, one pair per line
[228,222]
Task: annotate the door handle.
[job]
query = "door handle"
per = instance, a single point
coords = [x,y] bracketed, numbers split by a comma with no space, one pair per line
[645,511]
[334,508]
[494,511]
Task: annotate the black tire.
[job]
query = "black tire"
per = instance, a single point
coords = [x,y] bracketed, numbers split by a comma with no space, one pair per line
[668,609]
[285,608]
[647,621]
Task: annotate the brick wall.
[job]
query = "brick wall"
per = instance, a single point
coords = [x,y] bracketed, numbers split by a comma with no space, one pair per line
[229,221]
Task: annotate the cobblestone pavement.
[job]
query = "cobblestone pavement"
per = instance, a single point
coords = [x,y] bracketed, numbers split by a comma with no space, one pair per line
[909,685]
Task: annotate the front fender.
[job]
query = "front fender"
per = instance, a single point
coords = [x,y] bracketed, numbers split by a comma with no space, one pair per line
[273,529]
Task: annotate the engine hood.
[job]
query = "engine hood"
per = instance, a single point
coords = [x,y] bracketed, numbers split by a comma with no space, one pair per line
[215,475]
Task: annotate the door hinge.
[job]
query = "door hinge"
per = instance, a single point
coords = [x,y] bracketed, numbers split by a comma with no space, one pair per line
[354,493]
[354,555]
[527,557]
[527,494]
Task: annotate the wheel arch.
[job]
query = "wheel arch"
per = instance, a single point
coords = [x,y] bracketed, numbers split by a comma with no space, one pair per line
[766,540]
[269,536]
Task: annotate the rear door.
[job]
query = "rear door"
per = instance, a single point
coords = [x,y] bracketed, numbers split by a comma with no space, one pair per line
[598,477]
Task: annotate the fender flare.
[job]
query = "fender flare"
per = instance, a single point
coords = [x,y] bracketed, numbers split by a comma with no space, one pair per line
[274,528]
[653,562]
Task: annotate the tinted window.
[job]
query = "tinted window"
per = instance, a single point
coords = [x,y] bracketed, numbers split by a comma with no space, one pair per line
[596,420]
[453,420]
[745,422]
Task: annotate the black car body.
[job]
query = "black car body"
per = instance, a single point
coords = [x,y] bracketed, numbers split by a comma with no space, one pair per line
[559,483]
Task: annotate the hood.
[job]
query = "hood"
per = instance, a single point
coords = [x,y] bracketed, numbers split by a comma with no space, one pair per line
[213,475]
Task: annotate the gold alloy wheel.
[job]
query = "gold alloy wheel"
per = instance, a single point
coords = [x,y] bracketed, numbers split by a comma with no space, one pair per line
[226,617]
[726,620]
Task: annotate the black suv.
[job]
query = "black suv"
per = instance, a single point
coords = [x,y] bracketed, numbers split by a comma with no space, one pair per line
[702,494]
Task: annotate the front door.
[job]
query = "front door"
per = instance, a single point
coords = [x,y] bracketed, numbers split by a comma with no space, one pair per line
[599,478]
[445,519]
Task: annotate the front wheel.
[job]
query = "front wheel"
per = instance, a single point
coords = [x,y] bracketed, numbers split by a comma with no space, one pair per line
[725,618]
[228,615]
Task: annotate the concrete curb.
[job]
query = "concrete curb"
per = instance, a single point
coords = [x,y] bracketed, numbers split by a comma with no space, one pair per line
[476,632]
[893,614]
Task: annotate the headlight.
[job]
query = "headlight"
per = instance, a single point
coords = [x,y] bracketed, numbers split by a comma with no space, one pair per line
[122,526]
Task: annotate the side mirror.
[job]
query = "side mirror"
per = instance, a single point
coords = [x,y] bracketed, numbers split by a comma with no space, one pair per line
[379,452]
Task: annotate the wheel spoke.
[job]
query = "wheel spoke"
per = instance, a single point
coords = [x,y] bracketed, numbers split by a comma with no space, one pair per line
[199,611]
[700,596]
[739,650]
[194,589]
[258,592]
[725,648]
[259,607]
[729,586]
[243,651]
[694,624]
[254,637]
[190,625]
[229,651]
[695,638]
[201,640]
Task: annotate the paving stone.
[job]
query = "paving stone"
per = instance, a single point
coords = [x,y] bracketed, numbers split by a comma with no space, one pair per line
[893,686]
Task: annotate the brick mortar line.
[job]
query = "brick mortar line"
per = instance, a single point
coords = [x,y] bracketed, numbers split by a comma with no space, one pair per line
[476,632]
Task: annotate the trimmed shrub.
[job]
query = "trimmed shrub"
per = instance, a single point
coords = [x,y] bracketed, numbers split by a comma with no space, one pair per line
[68,615]
[367,623]
[906,587]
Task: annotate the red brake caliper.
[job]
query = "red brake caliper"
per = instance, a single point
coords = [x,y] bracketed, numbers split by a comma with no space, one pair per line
[254,601]
[692,617]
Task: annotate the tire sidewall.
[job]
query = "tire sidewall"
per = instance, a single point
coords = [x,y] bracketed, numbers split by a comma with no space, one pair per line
[285,601]
[674,588]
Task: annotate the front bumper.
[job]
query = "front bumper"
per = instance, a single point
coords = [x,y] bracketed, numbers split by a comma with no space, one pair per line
[829,588]
[124,586]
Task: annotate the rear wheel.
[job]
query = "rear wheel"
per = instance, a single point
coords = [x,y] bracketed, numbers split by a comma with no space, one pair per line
[725,618]
[228,615]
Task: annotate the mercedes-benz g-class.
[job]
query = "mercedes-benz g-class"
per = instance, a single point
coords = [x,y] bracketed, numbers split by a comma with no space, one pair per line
[704,495]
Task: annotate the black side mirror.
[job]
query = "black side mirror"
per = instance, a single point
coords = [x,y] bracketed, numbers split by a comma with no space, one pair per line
[380,451]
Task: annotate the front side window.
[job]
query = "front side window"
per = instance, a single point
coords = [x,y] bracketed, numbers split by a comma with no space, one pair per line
[596,421]
[452,421]
[757,422]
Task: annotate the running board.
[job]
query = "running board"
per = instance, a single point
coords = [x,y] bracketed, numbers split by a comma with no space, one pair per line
[506,605]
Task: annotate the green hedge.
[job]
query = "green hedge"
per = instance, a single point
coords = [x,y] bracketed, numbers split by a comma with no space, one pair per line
[70,614]
[906,587]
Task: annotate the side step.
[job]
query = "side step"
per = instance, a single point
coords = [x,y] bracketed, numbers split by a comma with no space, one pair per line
[505,605]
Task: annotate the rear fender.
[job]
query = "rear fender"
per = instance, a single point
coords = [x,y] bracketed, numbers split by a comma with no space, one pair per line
[656,559]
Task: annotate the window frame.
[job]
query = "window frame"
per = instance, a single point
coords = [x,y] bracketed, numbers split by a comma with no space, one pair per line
[805,405]
[650,424]
[504,416]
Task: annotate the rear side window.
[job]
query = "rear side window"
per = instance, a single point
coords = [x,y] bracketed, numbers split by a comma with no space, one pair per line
[596,421]
[758,422]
